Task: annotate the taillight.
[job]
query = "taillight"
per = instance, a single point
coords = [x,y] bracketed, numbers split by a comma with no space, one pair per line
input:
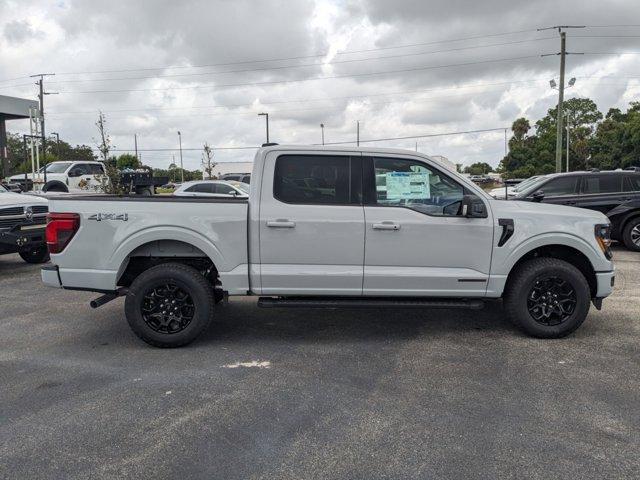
[61,227]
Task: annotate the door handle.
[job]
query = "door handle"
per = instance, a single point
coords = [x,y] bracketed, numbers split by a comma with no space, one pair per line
[280,223]
[386,226]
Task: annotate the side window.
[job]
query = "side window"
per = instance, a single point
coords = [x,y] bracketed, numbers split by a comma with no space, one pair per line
[192,188]
[412,184]
[95,169]
[82,168]
[246,179]
[223,189]
[314,179]
[557,187]
[205,188]
[632,183]
[602,184]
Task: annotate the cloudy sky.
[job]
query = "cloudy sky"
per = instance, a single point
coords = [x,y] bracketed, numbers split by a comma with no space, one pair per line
[402,68]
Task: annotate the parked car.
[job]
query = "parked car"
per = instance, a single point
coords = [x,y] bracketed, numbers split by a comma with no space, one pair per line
[22,226]
[212,188]
[613,193]
[320,230]
[508,191]
[238,177]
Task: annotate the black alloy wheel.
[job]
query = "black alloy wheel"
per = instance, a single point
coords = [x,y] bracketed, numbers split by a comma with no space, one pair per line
[167,308]
[551,301]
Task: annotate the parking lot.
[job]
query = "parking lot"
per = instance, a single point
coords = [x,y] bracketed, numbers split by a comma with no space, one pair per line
[315,394]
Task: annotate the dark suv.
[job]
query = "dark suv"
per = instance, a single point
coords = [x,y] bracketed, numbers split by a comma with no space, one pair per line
[614,193]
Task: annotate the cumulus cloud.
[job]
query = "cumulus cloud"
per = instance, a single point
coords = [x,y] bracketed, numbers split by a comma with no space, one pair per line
[402,68]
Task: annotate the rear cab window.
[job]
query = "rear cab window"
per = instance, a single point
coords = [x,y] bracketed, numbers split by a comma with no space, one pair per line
[317,179]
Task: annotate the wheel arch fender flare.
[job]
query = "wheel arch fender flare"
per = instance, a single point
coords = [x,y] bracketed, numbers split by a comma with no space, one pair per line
[120,257]
[546,240]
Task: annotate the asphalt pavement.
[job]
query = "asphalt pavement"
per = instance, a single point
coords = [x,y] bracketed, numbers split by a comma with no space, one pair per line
[306,394]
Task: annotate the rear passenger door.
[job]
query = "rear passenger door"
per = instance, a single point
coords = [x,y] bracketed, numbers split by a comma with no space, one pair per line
[601,192]
[311,224]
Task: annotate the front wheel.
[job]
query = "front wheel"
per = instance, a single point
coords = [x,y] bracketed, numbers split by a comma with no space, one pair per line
[38,254]
[631,234]
[169,305]
[547,298]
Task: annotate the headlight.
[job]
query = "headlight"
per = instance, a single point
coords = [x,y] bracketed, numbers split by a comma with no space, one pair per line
[603,237]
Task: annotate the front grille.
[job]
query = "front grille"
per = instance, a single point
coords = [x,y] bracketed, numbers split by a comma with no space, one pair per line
[40,209]
[11,211]
[12,222]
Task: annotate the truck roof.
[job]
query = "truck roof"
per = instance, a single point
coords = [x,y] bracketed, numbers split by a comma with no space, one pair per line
[343,148]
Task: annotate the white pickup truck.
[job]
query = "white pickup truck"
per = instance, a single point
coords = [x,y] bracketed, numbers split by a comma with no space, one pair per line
[332,227]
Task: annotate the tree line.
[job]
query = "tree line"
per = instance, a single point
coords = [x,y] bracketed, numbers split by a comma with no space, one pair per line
[600,141]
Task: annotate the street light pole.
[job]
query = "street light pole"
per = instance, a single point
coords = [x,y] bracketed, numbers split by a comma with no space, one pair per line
[57,143]
[322,128]
[266,115]
[181,165]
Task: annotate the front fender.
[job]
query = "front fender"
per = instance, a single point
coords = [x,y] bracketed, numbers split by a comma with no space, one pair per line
[503,265]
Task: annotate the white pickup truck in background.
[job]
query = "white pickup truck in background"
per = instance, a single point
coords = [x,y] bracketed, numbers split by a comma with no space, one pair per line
[332,227]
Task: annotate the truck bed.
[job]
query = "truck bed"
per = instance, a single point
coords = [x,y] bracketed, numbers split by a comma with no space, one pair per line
[114,228]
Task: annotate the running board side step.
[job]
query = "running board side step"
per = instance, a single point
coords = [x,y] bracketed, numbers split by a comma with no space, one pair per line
[360,302]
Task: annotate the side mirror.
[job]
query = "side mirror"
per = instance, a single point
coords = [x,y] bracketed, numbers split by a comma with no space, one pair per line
[537,196]
[473,207]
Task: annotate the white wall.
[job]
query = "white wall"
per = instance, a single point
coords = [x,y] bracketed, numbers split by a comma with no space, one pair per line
[232,167]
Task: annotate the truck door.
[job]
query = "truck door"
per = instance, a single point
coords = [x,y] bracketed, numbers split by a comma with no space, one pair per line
[311,224]
[417,242]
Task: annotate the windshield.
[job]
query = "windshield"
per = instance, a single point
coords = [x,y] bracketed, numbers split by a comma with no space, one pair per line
[3,190]
[525,183]
[531,186]
[58,167]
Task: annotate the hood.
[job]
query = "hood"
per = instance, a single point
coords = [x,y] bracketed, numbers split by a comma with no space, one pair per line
[514,207]
[10,198]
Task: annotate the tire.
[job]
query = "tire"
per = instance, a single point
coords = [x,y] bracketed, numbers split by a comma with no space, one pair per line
[631,234]
[532,285]
[38,254]
[145,192]
[151,292]
[55,187]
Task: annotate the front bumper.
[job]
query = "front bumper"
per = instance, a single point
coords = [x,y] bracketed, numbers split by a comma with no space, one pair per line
[605,282]
[50,276]
[22,238]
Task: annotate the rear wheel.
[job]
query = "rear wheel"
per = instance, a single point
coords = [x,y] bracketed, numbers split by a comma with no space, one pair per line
[38,254]
[169,305]
[547,298]
[631,234]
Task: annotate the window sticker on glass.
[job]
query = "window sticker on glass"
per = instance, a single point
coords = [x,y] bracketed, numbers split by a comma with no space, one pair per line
[407,185]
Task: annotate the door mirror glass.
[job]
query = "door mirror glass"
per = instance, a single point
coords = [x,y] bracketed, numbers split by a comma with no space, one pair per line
[473,207]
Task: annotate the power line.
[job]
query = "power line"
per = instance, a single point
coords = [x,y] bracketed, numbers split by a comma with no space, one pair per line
[249,147]
[299,57]
[344,97]
[284,67]
[276,82]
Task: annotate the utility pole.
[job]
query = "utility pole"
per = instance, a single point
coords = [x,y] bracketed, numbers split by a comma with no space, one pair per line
[263,114]
[41,95]
[181,167]
[135,143]
[567,145]
[358,132]
[563,53]
[322,128]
